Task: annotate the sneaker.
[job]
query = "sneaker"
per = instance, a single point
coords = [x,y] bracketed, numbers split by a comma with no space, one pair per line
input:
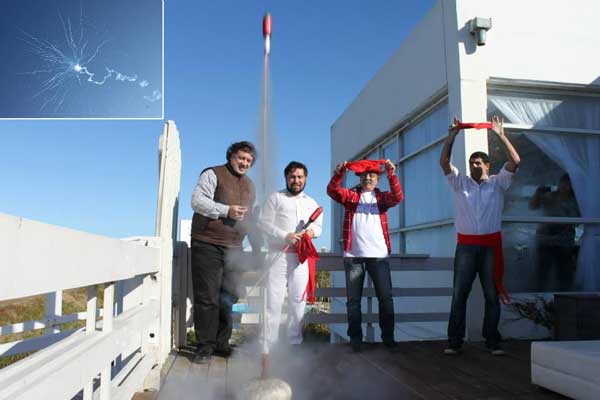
[203,355]
[452,351]
[356,346]
[223,351]
[392,346]
[496,350]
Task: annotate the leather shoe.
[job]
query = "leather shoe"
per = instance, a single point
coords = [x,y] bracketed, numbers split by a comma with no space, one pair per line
[392,346]
[203,355]
[356,346]
[223,351]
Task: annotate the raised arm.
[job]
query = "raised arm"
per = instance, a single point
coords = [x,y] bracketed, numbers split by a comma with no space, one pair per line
[334,188]
[395,194]
[447,148]
[511,152]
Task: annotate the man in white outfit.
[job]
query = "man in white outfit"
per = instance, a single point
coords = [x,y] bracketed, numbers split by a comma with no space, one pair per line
[281,220]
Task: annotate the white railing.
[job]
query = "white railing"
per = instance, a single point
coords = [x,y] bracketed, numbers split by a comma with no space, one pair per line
[252,304]
[123,352]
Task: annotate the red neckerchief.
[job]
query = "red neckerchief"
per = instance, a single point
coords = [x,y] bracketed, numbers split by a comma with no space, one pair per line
[493,240]
[474,125]
[306,251]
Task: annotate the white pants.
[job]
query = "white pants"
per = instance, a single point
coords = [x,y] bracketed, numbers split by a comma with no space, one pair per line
[285,269]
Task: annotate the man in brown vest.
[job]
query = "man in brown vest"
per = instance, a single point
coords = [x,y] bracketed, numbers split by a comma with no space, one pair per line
[221,200]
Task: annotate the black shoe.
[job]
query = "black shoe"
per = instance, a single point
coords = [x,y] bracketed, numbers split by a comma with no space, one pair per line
[223,351]
[356,346]
[203,355]
[392,346]
[495,350]
[452,351]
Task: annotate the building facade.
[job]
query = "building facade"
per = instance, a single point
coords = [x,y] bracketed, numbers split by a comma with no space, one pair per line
[539,71]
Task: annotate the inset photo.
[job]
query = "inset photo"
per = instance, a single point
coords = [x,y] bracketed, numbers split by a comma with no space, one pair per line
[81,59]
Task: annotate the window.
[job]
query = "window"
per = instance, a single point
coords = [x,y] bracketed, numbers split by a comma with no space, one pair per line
[427,195]
[553,198]
[431,128]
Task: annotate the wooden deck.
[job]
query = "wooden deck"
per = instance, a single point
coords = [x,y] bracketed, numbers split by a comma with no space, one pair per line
[331,371]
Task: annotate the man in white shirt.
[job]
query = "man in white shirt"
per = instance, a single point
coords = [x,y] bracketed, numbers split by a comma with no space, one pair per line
[479,203]
[281,220]
[367,242]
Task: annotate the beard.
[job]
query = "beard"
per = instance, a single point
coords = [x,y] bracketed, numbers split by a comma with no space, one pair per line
[294,191]
[476,174]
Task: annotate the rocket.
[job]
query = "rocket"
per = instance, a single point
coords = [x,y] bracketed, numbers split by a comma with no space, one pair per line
[266,23]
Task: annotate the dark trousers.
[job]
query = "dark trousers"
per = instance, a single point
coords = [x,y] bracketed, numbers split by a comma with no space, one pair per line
[469,261]
[215,279]
[556,267]
[379,271]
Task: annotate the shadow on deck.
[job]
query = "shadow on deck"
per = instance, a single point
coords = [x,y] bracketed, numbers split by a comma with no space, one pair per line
[332,371]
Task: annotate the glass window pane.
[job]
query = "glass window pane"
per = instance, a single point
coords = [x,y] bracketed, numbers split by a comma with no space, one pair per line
[393,215]
[436,242]
[395,242]
[391,150]
[541,257]
[540,187]
[374,155]
[432,127]
[338,216]
[427,195]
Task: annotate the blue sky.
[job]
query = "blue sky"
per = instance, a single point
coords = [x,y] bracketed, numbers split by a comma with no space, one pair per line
[78,47]
[101,176]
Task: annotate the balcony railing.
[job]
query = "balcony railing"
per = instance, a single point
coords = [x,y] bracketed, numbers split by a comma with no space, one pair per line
[110,358]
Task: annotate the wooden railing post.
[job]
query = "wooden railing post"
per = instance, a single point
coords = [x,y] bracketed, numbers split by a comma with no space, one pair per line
[53,310]
[166,230]
[107,326]
[181,281]
[150,344]
[90,328]
[370,332]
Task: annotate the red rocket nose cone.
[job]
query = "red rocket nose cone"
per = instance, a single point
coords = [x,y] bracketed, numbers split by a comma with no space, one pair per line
[267,25]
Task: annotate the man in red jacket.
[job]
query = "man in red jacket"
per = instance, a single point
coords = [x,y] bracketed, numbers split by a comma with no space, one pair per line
[366,240]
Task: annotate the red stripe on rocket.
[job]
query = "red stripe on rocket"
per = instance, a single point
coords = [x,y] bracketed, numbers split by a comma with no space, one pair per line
[267,32]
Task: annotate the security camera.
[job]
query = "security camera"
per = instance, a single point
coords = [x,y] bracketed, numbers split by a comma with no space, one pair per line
[479,27]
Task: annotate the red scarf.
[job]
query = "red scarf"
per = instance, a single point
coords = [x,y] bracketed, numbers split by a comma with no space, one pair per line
[493,240]
[362,166]
[306,251]
[474,125]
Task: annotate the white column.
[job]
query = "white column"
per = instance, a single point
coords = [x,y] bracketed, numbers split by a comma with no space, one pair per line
[467,100]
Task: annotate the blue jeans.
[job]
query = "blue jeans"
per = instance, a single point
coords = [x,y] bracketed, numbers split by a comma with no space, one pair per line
[379,271]
[469,261]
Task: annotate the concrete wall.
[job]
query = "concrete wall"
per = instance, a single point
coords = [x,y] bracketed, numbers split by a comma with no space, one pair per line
[415,72]
[544,40]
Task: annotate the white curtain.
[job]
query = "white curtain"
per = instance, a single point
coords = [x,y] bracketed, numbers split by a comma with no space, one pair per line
[576,153]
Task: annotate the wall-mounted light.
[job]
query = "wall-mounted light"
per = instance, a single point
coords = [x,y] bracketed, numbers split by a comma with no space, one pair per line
[479,27]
